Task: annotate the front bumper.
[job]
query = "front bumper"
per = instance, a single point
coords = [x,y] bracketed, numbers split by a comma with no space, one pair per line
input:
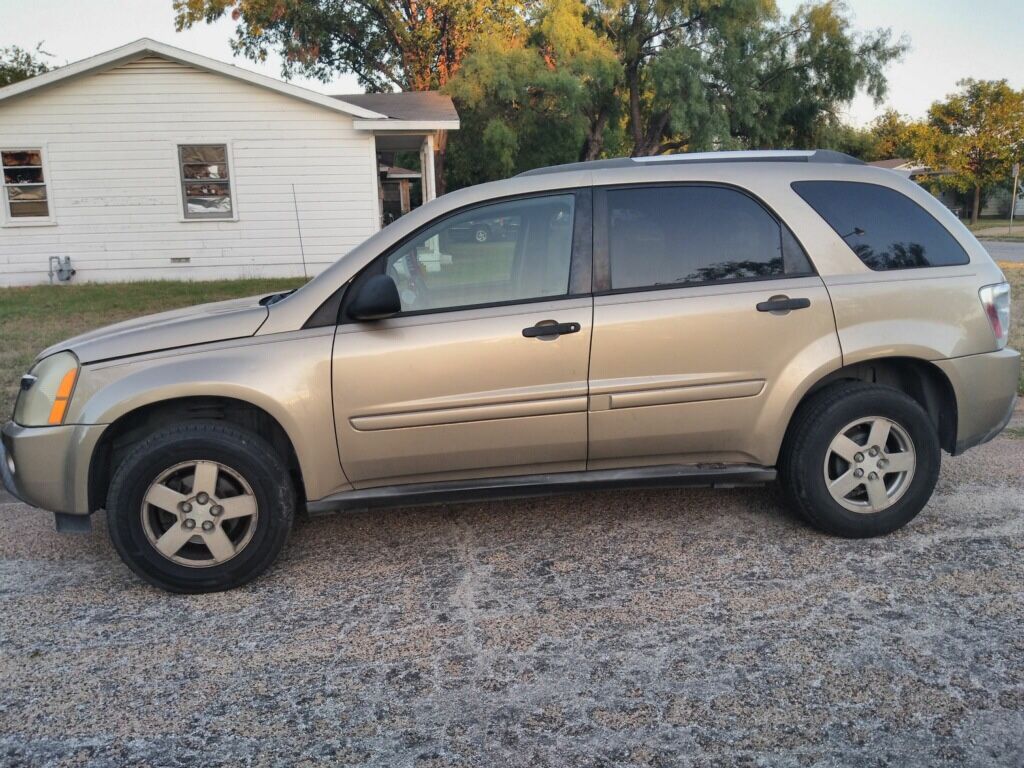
[48,467]
[986,392]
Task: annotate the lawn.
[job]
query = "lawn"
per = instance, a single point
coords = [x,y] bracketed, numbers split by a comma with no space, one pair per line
[998,228]
[32,319]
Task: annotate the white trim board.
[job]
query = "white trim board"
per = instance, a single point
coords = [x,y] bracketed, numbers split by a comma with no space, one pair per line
[146,47]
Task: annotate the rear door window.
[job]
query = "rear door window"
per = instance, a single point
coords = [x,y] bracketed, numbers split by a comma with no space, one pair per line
[664,236]
[885,228]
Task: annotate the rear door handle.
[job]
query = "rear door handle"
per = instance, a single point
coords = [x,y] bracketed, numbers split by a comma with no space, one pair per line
[782,304]
[549,329]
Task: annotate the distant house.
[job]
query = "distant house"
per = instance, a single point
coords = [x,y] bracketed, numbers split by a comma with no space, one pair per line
[902,165]
[150,162]
[996,201]
[997,204]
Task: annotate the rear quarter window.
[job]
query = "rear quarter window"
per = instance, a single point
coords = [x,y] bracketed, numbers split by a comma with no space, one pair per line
[883,227]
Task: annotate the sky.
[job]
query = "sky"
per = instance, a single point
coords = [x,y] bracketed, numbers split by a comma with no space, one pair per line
[949,39]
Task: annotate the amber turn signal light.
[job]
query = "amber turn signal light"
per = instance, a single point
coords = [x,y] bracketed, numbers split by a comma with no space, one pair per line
[60,402]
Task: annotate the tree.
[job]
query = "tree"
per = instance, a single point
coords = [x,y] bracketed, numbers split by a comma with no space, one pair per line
[976,135]
[387,44]
[857,142]
[716,73]
[544,98]
[18,64]
[891,134]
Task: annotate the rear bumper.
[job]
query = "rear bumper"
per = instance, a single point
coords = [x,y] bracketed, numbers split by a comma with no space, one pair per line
[986,392]
[48,467]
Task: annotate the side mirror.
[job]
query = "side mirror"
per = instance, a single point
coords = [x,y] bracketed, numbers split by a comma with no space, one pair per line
[377,299]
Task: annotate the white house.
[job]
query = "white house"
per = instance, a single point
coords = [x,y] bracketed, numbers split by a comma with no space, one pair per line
[151,162]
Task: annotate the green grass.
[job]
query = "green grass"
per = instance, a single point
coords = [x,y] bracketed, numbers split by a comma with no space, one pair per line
[998,228]
[33,318]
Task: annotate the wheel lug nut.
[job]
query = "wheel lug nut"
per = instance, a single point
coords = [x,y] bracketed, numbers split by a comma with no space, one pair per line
[202,498]
[873,452]
[883,463]
[873,476]
[858,473]
[185,507]
[217,510]
[207,525]
[858,457]
[190,523]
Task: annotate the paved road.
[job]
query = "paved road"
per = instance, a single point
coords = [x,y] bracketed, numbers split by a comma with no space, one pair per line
[648,628]
[1005,250]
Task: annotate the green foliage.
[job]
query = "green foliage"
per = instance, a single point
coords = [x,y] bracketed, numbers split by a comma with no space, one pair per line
[615,77]
[858,142]
[18,64]
[714,73]
[887,137]
[531,102]
[891,133]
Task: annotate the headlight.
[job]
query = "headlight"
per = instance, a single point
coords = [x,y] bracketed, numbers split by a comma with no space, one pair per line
[46,391]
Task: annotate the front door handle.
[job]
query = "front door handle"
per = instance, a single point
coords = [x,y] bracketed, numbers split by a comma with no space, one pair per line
[550,329]
[782,304]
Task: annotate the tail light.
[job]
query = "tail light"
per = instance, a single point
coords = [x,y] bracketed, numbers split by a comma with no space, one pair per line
[996,300]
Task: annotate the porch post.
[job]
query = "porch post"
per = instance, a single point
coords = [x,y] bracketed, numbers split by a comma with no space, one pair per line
[427,164]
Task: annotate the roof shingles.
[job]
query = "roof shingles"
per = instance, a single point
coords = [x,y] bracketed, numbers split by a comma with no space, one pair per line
[406,105]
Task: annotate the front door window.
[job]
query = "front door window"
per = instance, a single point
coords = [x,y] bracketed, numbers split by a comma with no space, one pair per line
[513,251]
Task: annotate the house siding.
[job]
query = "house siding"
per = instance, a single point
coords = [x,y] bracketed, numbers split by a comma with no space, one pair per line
[110,145]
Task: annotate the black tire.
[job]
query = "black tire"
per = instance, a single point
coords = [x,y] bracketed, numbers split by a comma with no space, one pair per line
[818,421]
[244,453]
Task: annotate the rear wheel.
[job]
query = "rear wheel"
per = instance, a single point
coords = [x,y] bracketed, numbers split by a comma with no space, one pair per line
[200,507]
[860,460]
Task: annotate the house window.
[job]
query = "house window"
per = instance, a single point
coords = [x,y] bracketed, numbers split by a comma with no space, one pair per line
[24,184]
[205,181]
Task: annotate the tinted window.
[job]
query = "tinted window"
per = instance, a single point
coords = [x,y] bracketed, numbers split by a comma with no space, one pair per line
[511,251]
[886,229]
[695,234]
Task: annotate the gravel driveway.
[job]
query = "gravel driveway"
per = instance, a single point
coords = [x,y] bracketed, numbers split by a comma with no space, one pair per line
[629,628]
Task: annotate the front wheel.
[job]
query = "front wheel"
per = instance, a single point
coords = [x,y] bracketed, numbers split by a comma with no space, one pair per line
[200,507]
[860,460]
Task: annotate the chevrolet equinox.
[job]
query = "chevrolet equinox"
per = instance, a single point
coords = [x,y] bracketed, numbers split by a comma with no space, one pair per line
[714,319]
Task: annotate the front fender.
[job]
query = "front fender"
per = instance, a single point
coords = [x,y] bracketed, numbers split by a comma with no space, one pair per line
[286,375]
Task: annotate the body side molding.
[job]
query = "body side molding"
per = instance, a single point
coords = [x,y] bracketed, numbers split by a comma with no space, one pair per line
[524,486]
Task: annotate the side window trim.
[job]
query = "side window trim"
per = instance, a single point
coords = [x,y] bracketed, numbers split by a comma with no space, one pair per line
[602,255]
[580,263]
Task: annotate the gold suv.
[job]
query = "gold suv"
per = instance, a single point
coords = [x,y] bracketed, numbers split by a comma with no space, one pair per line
[722,319]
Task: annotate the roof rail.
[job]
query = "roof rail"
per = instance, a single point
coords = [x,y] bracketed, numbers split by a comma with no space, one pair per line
[752,156]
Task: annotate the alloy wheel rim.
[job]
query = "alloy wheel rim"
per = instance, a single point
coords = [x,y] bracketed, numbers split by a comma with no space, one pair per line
[869,465]
[199,513]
